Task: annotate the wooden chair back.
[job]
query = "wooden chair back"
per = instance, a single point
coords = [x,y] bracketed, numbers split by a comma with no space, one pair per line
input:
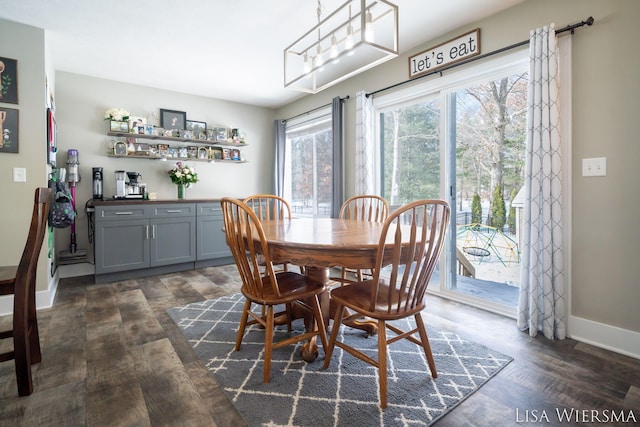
[403,270]
[269,206]
[365,208]
[26,340]
[242,228]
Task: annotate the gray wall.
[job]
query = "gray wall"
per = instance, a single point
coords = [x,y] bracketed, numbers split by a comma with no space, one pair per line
[81,105]
[605,90]
[27,45]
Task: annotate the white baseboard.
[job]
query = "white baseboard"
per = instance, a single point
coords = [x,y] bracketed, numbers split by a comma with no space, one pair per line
[605,336]
[74,270]
[44,299]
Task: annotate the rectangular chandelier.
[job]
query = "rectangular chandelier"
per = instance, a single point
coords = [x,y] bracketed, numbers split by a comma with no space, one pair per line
[359,35]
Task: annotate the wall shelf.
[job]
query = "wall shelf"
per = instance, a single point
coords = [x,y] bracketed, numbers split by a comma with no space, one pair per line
[157,147]
[177,139]
[177,159]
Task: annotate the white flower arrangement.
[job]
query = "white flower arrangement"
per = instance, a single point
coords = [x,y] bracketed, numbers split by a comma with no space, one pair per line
[116,114]
[183,175]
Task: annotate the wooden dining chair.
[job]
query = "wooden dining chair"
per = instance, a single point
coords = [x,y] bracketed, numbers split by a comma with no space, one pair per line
[361,208]
[20,281]
[403,268]
[264,286]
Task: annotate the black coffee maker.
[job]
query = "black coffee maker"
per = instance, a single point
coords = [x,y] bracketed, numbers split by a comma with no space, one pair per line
[97,183]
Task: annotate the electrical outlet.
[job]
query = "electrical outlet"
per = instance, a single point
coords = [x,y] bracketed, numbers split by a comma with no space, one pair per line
[594,167]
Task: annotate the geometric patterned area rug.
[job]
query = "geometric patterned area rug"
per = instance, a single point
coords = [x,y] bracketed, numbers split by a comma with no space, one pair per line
[345,394]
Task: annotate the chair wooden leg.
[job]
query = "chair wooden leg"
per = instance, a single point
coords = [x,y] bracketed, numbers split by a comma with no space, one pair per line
[34,335]
[425,345]
[268,344]
[317,311]
[243,323]
[23,363]
[328,351]
[382,362]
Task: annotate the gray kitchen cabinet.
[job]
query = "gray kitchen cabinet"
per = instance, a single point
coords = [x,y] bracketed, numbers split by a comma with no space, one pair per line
[121,239]
[173,234]
[211,241]
[141,238]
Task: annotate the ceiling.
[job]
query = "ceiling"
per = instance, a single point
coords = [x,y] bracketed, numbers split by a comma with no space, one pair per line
[231,50]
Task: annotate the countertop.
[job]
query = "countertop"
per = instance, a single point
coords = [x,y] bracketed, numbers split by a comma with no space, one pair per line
[114,202]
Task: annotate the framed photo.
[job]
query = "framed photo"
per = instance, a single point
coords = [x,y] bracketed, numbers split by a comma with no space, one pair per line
[192,152]
[137,125]
[120,148]
[220,133]
[9,80]
[122,127]
[216,153]
[8,130]
[172,119]
[203,153]
[196,127]
[52,146]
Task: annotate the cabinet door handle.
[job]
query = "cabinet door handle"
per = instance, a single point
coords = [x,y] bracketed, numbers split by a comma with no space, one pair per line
[124,213]
[153,231]
[147,231]
[174,210]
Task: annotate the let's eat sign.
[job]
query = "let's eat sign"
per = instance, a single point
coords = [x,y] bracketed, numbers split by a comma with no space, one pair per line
[456,50]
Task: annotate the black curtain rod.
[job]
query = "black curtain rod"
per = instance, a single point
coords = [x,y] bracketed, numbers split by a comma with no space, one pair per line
[312,110]
[589,21]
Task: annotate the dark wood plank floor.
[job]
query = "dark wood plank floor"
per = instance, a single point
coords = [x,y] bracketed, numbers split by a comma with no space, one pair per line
[112,357]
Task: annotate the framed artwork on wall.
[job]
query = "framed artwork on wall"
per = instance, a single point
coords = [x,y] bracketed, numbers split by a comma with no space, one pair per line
[52,145]
[9,80]
[172,119]
[8,130]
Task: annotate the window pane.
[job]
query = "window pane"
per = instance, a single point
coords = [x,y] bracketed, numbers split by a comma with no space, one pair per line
[411,152]
[309,173]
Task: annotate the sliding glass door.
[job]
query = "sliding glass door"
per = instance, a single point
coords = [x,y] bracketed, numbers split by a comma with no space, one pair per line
[463,141]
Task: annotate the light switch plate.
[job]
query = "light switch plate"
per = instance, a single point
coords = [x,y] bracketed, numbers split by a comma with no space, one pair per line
[594,167]
[19,175]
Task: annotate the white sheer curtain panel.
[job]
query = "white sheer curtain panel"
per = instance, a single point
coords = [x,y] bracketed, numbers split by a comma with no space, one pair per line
[542,303]
[364,144]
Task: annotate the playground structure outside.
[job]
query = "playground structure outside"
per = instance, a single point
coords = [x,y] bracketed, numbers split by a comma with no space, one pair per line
[494,254]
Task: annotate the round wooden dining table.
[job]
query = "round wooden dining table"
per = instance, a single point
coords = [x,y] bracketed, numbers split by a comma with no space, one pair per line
[318,244]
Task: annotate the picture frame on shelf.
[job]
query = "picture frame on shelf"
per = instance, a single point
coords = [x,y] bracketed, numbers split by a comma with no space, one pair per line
[137,125]
[9,140]
[120,148]
[221,133]
[8,80]
[215,153]
[211,134]
[203,153]
[173,119]
[122,127]
[192,152]
[196,126]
